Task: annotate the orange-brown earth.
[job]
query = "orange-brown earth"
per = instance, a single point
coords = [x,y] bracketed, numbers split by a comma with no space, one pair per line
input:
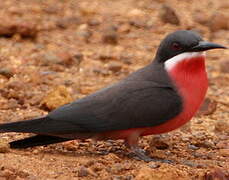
[54,51]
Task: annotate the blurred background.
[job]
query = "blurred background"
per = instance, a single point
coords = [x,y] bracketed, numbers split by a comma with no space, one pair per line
[55,51]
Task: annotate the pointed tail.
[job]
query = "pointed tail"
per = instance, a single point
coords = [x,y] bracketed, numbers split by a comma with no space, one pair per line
[37,140]
[31,126]
[22,126]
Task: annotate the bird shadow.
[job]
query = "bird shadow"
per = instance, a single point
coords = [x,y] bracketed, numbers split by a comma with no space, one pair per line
[86,149]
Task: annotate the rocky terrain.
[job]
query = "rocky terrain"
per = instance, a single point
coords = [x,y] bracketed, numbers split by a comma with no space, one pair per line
[55,51]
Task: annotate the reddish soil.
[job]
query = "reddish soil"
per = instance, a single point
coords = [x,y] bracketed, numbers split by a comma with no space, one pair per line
[54,51]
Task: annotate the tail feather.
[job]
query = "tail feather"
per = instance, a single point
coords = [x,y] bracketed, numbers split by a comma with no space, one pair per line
[22,126]
[42,125]
[37,140]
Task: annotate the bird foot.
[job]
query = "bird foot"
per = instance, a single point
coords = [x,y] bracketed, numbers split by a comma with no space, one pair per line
[139,154]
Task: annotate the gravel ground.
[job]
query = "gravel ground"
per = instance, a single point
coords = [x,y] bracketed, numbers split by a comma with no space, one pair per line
[54,51]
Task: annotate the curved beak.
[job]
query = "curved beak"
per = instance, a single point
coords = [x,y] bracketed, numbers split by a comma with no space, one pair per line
[205,45]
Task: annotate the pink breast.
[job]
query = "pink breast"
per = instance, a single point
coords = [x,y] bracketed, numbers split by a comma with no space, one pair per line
[190,77]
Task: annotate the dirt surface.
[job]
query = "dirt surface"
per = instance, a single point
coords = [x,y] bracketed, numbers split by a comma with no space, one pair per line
[54,51]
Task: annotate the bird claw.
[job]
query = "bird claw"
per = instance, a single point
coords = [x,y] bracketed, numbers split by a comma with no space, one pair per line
[149,159]
[143,158]
[139,154]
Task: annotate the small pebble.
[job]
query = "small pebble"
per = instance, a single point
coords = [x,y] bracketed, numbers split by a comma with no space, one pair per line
[224,152]
[224,66]
[110,37]
[200,17]
[93,22]
[168,15]
[193,147]
[216,174]
[222,126]
[153,165]
[83,172]
[193,164]
[8,73]
[136,13]
[4,146]
[159,142]
[23,29]
[207,108]
[68,21]
[219,21]
[138,23]
[223,144]
[56,97]
[114,66]
[49,58]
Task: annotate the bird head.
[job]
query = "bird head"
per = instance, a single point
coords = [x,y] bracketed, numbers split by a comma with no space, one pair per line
[181,45]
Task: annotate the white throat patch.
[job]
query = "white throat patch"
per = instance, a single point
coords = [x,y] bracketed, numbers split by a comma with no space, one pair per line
[170,63]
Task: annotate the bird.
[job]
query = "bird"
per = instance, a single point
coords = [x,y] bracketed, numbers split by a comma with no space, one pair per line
[156,99]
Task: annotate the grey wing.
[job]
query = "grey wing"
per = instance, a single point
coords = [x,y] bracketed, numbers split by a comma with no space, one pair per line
[121,106]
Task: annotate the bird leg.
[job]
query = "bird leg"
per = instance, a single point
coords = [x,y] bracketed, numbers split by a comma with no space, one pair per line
[132,143]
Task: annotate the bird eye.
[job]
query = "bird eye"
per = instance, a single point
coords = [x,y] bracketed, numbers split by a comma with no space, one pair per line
[176,46]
